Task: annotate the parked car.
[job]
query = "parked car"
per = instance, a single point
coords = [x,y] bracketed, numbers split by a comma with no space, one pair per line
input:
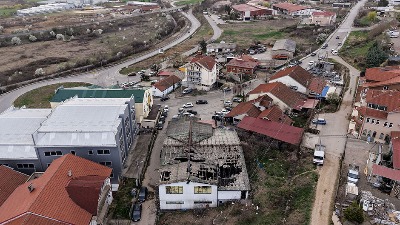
[175,117]
[166,108]
[324,46]
[313,54]
[320,121]
[187,91]
[334,52]
[228,108]
[188,105]
[311,63]
[226,89]
[165,98]
[142,194]
[236,99]
[217,117]
[159,125]
[228,103]
[180,110]
[337,37]
[201,102]
[339,44]
[192,111]
[136,212]
[224,111]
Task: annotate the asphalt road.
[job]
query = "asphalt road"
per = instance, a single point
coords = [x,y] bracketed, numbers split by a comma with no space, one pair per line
[104,77]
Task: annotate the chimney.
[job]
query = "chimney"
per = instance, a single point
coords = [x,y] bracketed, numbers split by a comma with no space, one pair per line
[30,187]
[70,173]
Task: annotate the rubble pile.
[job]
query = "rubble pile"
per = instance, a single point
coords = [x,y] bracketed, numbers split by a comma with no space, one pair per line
[381,211]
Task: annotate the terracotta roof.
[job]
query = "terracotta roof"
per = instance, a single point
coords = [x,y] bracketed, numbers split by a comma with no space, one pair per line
[290,97]
[388,98]
[245,7]
[395,138]
[382,73]
[386,172]
[207,62]
[10,180]
[244,108]
[167,82]
[50,197]
[297,73]
[275,114]
[244,61]
[323,13]
[394,80]
[264,101]
[165,73]
[278,131]
[368,112]
[290,7]
[317,85]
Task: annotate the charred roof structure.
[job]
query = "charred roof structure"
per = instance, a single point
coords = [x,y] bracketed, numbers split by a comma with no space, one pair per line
[195,152]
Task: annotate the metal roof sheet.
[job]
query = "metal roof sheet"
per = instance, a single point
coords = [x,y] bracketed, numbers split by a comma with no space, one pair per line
[63,94]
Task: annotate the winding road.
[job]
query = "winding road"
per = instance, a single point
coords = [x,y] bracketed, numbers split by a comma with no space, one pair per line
[103,77]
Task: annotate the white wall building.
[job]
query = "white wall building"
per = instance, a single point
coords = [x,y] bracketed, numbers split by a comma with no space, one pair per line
[165,86]
[200,73]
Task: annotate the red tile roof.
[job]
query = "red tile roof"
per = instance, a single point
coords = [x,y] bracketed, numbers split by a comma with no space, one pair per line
[243,61]
[368,112]
[165,73]
[50,197]
[324,14]
[297,73]
[394,80]
[167,82]
[382,73]
[245,7]
[290,7]
[317,85]
[10,180]
[395,139]
[244,108]
[388,98]
[288,96]
[207,62]
[275,114]
[278,131]
[386,172]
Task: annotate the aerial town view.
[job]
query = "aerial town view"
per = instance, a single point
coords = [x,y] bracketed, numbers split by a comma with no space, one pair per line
[199,112]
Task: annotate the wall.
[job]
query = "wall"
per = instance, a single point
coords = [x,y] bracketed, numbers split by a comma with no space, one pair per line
[389,87]
[379,128]
[187,197]
[288,81]
[235,69]
[13,164]
[224,196]
[275,100]
[208,78]
[282,52]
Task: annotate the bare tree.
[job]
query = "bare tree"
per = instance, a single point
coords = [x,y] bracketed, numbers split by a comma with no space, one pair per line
[16,41]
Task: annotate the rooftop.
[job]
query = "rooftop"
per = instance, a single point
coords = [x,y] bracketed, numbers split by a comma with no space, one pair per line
[244,62]
[10,180]
[63,94]
[244,108]
[386,172]
[275,130]
[377,74]
[245,7]
[222,45]
[368,112]
[388,98]
[290,7]
[275,114]
[52,198]
[207,62]
[216,157]
[167,82]
[316,85]
[285,44]
[297,73]
[323,13]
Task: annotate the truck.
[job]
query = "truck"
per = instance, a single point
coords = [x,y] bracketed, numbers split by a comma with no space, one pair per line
[319,154]
[353,175]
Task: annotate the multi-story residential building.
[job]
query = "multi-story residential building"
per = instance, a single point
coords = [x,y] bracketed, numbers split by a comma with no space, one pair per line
[200,73]
[221,48]
[290,9]
[243,64]
[72,190]
[323,18]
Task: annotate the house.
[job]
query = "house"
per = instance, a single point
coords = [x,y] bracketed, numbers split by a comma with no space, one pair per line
[275,114]
[317,88]
[248,12]
[283,49]
[211,173]
[290,9]
[143,98]
[165,86]
[378,114]
[243,64]
[382,78]
[200,73]
[164,73]
[72,190]
[221,48]
[323,18]
[286,98]
[294,77]
[243,109]
[98,129]
[278,131]
[10,180]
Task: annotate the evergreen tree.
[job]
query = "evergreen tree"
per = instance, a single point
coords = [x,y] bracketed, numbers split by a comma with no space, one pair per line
[375,56]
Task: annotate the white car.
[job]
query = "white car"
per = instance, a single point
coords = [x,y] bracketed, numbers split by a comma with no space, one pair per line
[224,111]
[188,105]
[311,63]
[334,52]
[166,108]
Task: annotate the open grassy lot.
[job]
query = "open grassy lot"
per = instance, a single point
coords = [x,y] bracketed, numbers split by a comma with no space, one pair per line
[283,185]
[40,98]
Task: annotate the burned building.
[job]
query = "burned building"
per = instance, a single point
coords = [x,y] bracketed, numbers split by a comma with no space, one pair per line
[201,166]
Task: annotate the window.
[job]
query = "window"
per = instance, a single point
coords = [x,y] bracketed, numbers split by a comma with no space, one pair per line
[202,189]
[174,189]
[390,124]
[53,153]
[377,122]
[385,124]
[72,152]
[4,164]
[381,136]
[368,119]
[174,202]
[361,117]
[48,164]
[112,175]
[109,164]
[385,87]
[25,166]
[374,134]
[372,121]
[103,152]
[202,202]
[90,152]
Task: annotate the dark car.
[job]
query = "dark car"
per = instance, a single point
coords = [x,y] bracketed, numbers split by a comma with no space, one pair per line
[165,98]
[159,125]
[191,111]
[136,212]
[217,117]
[142,194]
[313,54]
[187,91]
[226,89]
[201,102]
[385,188]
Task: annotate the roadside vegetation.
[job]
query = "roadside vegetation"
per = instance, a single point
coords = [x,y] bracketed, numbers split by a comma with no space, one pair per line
[121,205]
[366,18]
[40,97]
[188,2]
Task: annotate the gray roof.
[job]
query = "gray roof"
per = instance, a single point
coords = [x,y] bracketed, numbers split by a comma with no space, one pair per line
[284,44]
[216,159]
[82,122]
[222,45]
[17,128]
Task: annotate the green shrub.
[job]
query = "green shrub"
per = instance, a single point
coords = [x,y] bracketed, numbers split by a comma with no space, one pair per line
[354,213]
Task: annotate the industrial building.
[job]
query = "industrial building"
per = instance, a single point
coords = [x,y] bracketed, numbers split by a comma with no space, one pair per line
[47,8]
[201,166]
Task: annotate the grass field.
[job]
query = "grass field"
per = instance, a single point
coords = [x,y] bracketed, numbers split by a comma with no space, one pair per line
[243,36]
[356,48]
[188,2]
[6,12]
[40,97]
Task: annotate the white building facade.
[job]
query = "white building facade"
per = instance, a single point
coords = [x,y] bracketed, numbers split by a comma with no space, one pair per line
[201,73]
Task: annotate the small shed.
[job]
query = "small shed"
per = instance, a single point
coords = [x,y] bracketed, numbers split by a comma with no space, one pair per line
[284,47]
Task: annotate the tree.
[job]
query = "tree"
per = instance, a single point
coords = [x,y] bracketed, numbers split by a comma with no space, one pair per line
[321,38]
[333,98]
[383,3]
[15,41]
[60,37]
[371,16]
[39,72]
[32,38]
[227,9]
[354,213]
[203,45]
[375,56]
[1,29]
